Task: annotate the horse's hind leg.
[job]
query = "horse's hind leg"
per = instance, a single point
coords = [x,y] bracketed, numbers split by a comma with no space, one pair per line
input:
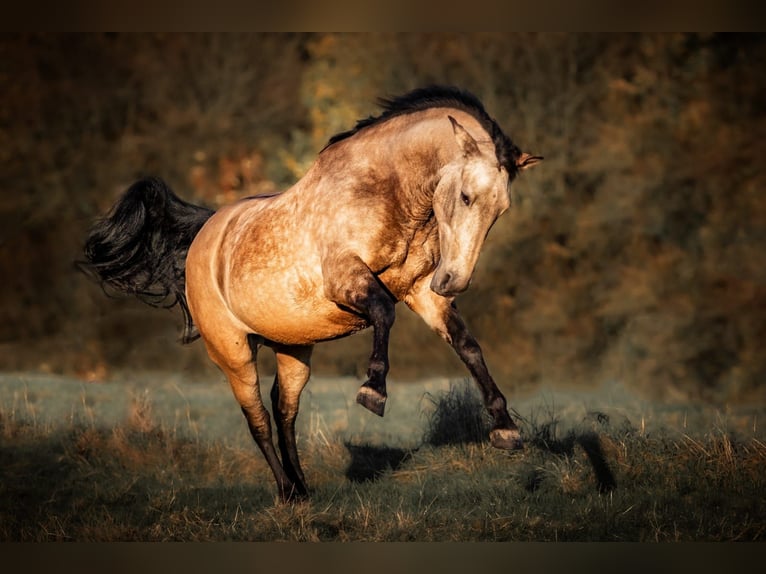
[293,369]
[235,354]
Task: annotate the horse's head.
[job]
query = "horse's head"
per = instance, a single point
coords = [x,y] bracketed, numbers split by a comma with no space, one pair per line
[472,193]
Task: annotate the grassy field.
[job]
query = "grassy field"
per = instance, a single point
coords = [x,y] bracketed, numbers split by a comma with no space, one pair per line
[150,457]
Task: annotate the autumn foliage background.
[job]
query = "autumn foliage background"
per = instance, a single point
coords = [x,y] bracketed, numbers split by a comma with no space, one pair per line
[634,252]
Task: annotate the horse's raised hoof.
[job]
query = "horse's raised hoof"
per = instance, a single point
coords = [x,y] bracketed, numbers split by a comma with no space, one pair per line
[506,439]
[371,399]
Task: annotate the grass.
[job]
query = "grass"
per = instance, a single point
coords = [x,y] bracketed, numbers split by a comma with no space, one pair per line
[596,477]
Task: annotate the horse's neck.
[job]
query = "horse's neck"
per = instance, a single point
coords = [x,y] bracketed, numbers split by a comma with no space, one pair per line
[404,157]
[418,159]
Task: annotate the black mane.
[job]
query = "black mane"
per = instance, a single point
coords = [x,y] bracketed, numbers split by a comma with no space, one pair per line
[436,97]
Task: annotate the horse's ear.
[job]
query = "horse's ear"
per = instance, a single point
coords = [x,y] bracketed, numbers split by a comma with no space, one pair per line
[464,139]
[527,160]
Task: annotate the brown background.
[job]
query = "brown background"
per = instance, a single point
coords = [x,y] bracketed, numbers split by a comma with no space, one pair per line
[635,252]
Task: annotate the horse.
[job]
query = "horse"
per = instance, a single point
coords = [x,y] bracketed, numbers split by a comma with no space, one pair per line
[395,209]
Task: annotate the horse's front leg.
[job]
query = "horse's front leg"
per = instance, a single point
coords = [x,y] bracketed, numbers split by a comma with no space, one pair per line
[350,284]
[441,314]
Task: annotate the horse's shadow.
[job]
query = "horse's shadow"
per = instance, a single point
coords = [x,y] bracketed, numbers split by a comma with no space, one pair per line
[459,417]
[370,462]
[544,438]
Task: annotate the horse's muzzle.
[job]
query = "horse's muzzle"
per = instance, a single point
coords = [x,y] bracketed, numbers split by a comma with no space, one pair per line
[447,284]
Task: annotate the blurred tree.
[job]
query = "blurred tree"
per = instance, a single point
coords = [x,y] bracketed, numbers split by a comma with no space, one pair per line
[82,115]
[633,252]
[635,286]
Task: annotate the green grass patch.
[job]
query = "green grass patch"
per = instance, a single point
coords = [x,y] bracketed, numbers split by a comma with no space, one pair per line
[599,477]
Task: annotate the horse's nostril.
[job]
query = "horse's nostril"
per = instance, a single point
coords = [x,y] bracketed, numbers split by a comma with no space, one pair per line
[440,282]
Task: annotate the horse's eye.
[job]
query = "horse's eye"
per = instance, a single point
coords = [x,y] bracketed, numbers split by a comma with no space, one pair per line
[464,198]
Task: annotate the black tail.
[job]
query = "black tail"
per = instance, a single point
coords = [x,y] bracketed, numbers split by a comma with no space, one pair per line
[140,247]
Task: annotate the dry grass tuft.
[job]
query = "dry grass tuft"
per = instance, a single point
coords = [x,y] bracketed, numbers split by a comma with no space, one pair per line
[599,480]
[458,417]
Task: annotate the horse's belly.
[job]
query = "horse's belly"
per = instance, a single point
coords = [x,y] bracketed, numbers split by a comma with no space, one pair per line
[296,327]
[294,312]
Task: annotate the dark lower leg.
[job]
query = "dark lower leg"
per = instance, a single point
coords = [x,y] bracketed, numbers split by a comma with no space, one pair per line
[287,444]
[372,395]
[290,460]
[351,284]
[504,434]
[293,370]
[260,429]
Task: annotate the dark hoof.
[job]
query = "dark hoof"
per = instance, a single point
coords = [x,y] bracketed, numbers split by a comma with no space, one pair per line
[506,439]
[372,400]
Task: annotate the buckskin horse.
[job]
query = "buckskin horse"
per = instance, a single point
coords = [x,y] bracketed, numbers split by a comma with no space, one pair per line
[395,209]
